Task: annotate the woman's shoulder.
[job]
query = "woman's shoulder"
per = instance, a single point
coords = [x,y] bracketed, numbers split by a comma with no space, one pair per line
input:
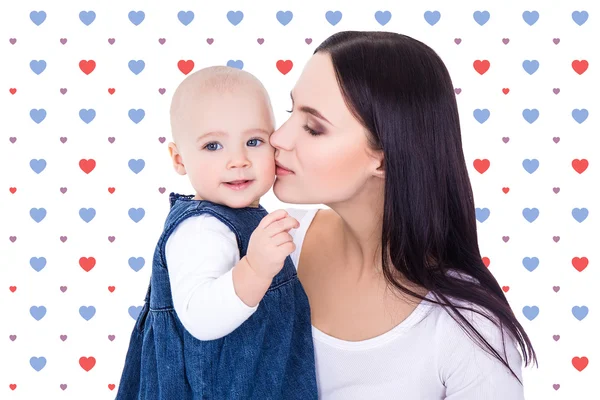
[461,360]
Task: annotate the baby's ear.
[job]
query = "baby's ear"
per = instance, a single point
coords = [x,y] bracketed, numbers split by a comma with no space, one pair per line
[176,158]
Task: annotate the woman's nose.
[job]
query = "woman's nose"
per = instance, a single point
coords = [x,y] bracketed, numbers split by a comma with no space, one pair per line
[281,138]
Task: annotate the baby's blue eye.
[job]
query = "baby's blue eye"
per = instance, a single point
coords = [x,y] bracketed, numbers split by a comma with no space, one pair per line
[210,144]
[210,148]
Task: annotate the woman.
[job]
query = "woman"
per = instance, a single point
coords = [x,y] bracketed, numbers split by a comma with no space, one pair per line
[402,306]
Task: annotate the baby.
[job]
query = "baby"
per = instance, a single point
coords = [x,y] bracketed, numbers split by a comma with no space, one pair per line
[225,316]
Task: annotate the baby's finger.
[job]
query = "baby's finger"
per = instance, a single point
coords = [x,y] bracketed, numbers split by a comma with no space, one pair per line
[281,238]
[274,216]
[282,225]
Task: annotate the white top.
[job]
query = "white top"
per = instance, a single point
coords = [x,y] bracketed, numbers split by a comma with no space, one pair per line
[427,356]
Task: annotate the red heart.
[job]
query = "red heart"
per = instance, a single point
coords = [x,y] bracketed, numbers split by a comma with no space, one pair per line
[284,66]
[111,386]
[13,288]
[580,263]
[505,90]
[580,66]
[87,263]
[506,288]
[87,166]
[505,190]
[87,66]
[185,66]
[12,386]
[12,90]
[580,165]
[13,190]
[111,90]
[87,363]
[111,289]
[481,165]
[486,261]
[111,190]
[580,363]
[481,66]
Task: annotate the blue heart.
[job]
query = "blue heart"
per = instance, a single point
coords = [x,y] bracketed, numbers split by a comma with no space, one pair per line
[531,17]
[235,17]
[239,64]
[481,17]
[136,115]
[333,17]
[38,214]
[580,312]
[136,263]
[531,263]
[383,17]
[185,17]
[37,264]
[87,312]
[580,17]
[432,17]
[37,312]
[531,115]
[134,311]
[37,66]
[531,165]
[531,214]
[481,115]
[530,66]
[87,116]
[136,165]
[136,66]
[284,17]
[136,17]
[37,165]
[580,214]
[38,17]
[531,312]
[136,214]
[37,363]
[87,17]
[580,115]
[482,214]
[37,115]
[87,214]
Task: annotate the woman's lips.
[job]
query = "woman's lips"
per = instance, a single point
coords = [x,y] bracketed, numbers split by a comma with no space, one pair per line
[282,171]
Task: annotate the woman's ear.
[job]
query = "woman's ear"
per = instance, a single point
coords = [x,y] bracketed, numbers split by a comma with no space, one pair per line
[380,166]
[176,158]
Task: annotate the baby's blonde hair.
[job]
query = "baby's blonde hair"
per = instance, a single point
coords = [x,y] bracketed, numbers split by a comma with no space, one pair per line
[219,79]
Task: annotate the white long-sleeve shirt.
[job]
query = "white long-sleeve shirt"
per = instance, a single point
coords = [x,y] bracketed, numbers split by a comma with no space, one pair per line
[426,357]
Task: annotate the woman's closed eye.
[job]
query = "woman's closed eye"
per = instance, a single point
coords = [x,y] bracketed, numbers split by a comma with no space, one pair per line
[309,129]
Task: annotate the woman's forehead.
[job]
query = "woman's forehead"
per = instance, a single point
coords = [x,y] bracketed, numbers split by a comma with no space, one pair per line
[317,87]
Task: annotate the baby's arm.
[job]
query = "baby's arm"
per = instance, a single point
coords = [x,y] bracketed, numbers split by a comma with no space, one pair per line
[201,254]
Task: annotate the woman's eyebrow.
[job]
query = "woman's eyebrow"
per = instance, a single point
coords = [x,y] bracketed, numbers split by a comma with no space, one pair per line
[311,111]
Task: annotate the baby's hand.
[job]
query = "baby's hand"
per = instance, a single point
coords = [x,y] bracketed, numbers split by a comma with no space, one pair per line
[270,244]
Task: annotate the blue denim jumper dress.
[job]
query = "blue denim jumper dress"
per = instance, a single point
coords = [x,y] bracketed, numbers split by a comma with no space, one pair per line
[269,356]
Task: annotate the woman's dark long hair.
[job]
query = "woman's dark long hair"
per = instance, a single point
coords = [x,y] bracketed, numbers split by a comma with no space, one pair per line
[401,91]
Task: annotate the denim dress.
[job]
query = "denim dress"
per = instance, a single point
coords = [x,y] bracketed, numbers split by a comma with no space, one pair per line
[269,356]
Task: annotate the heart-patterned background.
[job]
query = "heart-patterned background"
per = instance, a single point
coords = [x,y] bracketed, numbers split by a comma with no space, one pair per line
[85,173]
